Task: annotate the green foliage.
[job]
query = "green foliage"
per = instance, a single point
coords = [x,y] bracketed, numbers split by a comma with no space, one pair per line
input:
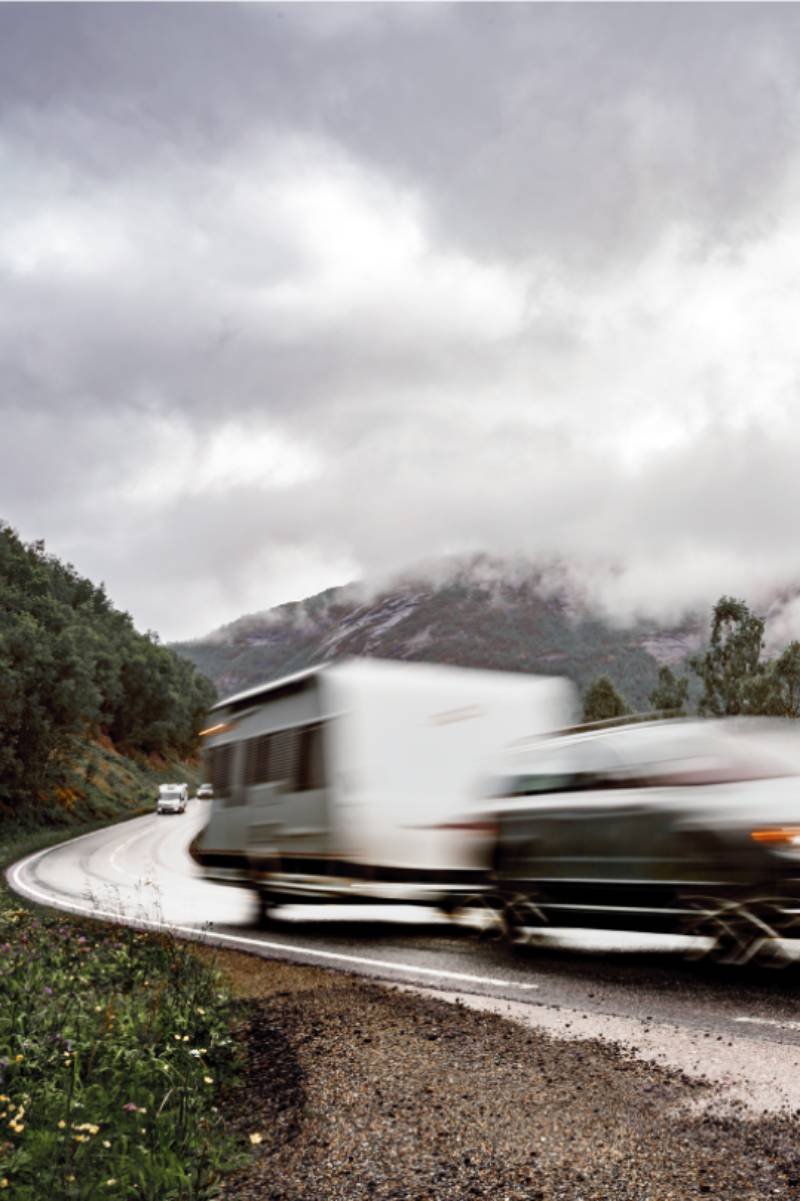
[774,690]
[602,702]
[785,680]
[114,1047]
[731,669]
[70,664]
[670,693]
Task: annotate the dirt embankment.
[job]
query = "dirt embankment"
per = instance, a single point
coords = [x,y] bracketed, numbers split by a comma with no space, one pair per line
[364,1093]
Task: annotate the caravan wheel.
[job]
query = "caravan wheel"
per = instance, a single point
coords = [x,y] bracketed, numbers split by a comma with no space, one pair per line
[267,908]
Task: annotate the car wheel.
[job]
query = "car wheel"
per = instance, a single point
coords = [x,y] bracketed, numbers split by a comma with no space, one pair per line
[748,931]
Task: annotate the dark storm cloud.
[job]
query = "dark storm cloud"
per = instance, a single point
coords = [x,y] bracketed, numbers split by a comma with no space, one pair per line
[291,293]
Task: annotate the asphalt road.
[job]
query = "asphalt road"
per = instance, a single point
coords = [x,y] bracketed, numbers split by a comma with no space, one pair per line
[740,1029]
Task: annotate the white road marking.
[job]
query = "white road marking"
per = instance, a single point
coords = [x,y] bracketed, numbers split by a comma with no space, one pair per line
[123,846]
[769,1022]
[27,888]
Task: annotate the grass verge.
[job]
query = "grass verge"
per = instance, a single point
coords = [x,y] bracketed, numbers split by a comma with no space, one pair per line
[116,1050]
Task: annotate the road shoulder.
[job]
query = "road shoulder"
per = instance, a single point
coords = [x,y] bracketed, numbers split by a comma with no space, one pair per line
[362,1091]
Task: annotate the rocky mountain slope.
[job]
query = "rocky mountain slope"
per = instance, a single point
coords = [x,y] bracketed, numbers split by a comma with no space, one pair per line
[472,617]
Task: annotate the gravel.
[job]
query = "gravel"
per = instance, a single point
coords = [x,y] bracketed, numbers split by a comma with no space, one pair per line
[366,1093]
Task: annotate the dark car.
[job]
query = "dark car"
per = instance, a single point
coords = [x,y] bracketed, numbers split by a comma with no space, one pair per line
[684,826]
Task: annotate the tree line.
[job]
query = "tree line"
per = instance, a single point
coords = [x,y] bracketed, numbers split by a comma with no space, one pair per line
[71,665]
[734,677]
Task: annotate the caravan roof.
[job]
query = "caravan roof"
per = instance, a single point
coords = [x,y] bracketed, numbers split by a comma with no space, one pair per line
[272,688]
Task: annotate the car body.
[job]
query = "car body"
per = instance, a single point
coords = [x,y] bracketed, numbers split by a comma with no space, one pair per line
[684,826]
[172,798]
[205,792]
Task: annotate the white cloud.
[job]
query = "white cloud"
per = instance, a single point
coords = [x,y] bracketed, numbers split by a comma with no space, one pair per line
[274,325]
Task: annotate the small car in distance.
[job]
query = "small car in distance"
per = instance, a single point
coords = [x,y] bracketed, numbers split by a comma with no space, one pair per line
[172,798]
[205,792]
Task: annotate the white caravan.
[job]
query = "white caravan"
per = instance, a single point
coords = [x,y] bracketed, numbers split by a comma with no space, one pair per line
[362,780]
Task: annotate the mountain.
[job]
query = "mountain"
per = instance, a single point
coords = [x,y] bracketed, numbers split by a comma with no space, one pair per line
[473,614]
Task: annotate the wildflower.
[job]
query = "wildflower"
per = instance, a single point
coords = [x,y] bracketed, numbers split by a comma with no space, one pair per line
[81,1138]
[131,1108]
[208,1079]
[98,1008]
[110,1181]
[4,1098]
[4,1182]
[19,1058]
[256,1138]
[61,1124]
[200,1010]
[106,1143]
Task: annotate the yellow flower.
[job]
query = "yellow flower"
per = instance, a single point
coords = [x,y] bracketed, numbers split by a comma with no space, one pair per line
[3,1098]
[4,1182]
[256,1138]
[110,1181]
[106,1143]
[61,1124]
[208,1079]
[81,1138]
[19,1058]
[200,1010]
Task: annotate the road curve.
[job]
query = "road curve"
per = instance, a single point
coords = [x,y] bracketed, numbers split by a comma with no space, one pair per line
[740,1030]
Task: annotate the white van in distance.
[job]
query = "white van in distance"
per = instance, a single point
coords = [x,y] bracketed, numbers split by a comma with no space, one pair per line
[172,798]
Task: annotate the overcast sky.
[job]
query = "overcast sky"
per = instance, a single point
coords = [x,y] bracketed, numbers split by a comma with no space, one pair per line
[295,294]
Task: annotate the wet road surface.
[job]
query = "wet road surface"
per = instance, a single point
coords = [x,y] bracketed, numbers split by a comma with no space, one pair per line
[736,1027]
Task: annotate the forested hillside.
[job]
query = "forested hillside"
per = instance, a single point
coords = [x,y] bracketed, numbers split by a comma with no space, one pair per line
[74,670]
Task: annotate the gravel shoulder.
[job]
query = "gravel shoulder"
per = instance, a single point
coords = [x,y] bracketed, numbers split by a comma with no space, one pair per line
[367,1093]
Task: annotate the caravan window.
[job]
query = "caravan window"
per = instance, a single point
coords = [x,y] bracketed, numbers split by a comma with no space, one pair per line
[289,757]
[311,771]
[283,755]
[257,760]
[220,763]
